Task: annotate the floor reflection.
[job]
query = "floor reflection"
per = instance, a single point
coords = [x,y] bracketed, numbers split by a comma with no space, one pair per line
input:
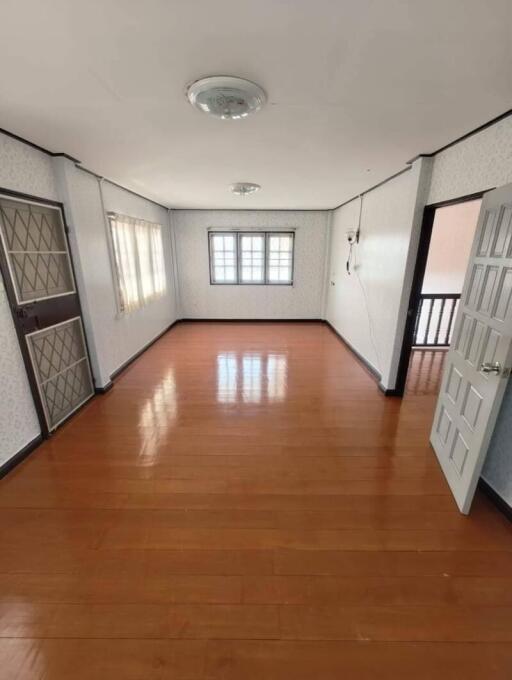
[251,377]
[425,371]
[156,416]
[227,373]
[277,369]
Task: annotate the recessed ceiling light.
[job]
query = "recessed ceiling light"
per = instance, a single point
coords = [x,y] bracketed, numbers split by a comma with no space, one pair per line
[226,97]
[244,188]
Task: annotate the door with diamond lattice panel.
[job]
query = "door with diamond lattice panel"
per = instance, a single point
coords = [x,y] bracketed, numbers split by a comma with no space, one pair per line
[59,358]
[35,244]
[38,273]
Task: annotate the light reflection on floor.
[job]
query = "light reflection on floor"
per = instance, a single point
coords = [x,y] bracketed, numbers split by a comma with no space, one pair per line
[158,413]
[251,377]
[227,377]
[425,372]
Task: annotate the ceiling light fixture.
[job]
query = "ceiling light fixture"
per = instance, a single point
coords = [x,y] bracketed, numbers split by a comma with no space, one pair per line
[226,97]
[244,188]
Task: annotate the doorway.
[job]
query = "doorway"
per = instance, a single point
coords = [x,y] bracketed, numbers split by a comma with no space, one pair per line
[445,244]
[37,270]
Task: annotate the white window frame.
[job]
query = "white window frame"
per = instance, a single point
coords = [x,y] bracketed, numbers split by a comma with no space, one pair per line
[238,234]
[211,252]
[267,258]
[159,276]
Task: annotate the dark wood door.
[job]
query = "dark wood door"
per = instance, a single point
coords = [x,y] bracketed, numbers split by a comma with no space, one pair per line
[39,279]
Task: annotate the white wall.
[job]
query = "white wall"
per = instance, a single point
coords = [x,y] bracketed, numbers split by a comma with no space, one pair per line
[367,307]
[125,336]
[29,171]
[114,338]
[478,163]
[448,255]
[199,299]
[386,254]
[483,161]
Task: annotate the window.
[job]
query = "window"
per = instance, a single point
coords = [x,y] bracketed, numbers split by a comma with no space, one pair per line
[251,257]
[223,258]
[280,258]
[139,261]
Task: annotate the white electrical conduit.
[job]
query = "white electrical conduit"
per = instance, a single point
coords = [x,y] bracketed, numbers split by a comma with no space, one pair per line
[175,273]
[363,290]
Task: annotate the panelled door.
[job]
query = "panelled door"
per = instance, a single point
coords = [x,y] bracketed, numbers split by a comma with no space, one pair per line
[40,284]
[478,363]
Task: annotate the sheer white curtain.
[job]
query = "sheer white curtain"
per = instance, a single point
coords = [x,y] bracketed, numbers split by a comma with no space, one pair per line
[142,238]
[139,261]
[157,256]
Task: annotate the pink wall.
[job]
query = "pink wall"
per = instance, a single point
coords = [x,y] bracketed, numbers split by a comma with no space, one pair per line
[452,237]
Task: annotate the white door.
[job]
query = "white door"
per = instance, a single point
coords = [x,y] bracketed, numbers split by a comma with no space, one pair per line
[479,359]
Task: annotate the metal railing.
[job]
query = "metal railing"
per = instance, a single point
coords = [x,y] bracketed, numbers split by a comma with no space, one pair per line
[435,319]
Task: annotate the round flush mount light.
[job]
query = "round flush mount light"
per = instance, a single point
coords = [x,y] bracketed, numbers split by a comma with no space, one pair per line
[226,97]
[244,188]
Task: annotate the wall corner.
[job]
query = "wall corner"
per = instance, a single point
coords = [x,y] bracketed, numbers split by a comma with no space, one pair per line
[64,171]
[422,171]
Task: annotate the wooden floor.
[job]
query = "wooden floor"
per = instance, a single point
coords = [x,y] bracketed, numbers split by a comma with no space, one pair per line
[245,504]
[425,372]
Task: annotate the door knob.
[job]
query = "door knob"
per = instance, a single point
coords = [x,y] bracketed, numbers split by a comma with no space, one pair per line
[491,368]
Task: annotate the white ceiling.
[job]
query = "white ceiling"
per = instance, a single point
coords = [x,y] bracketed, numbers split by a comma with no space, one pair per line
[355,87]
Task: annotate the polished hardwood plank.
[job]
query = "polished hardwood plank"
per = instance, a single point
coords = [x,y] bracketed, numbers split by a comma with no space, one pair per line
[246,503]
[359,660]
[425,371]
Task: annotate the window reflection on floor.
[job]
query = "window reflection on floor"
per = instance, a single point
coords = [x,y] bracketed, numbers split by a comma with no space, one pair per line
[425,371]
[251,371]
[227,372]
[251,377]
[276,377]
[156,416]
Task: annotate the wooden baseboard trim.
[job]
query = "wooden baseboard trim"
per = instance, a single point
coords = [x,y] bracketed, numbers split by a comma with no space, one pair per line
[366,364]
[27,450]
[20,455]
[104,388]
[238,320]
[127,363]
[389,392]
[498,501]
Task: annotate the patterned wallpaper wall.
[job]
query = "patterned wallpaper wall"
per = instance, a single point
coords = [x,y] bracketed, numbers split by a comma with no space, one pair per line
[483,161]
[480,162]
[25,169]
[29,171]
[199,299]
[18,419]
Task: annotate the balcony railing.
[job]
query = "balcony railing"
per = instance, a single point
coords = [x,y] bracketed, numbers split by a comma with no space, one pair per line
[435,319]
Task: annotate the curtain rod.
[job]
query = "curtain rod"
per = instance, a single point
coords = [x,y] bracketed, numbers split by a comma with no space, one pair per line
[244,229]
[114,215]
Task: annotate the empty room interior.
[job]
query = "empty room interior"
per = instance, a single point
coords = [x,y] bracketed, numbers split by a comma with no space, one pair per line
[255,340]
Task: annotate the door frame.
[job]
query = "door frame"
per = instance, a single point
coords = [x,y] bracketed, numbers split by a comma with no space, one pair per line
[12,301]
[420,266]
